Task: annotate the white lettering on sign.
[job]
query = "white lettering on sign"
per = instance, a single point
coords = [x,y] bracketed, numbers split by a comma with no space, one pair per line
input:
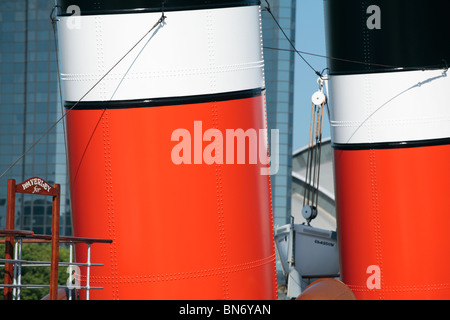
[36,183]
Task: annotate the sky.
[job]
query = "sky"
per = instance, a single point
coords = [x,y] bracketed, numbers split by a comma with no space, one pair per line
[310,37]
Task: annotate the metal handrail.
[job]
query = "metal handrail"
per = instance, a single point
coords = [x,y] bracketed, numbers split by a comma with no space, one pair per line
[21,236]
[31,263]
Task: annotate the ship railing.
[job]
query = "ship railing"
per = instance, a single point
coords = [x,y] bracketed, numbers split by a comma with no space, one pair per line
[13,282]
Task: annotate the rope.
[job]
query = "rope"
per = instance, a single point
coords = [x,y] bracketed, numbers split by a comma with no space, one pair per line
[305,196]
[334,58]
[312,176]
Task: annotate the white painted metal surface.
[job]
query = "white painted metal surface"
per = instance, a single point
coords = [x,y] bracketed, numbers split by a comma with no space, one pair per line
[389,107]
[181,57]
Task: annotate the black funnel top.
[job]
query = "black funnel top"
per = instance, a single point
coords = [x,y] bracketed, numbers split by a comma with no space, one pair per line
[387,35]
[99,7]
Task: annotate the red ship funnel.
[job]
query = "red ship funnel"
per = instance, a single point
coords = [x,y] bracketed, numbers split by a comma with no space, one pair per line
[155,147]
[390,121]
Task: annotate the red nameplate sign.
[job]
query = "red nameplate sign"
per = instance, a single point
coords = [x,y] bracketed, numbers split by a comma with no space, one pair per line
[36,185]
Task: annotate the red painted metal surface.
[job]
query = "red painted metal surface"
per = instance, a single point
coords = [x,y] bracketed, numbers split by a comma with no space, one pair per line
[393,214]
[188,231]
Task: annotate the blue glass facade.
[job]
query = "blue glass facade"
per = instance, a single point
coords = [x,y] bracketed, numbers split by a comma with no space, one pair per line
[29,106]
[279,77]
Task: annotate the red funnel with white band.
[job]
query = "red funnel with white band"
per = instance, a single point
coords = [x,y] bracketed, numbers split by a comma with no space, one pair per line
[149,163]
[390,120]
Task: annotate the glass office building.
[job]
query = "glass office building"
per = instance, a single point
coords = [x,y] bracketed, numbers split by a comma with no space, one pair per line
[279,76]
[29,106]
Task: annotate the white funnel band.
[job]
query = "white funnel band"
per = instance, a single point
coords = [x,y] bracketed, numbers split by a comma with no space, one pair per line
[391,107]
[195,52]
